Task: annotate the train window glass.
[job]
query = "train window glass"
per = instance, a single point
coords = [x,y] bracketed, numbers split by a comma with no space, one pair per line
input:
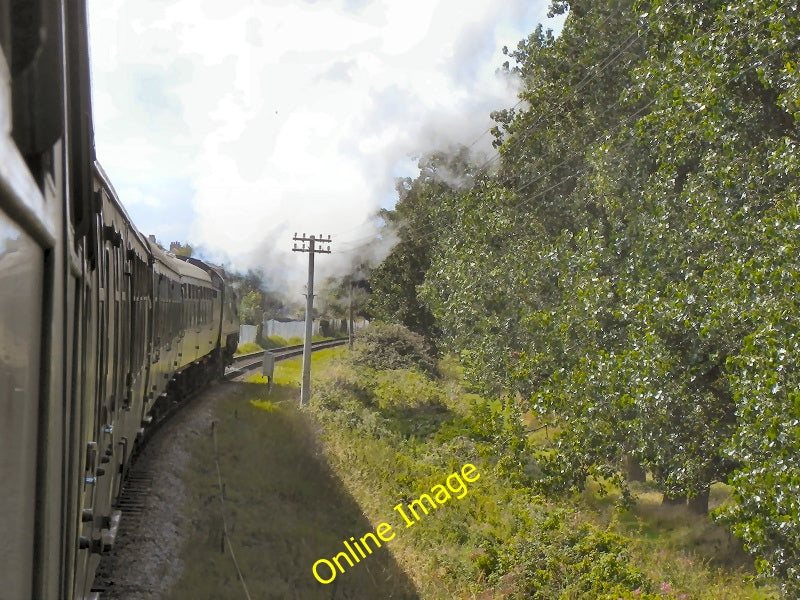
[101,378]
[21,266]
[5,29]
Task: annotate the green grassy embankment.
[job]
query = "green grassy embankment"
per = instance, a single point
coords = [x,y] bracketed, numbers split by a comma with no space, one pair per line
[392,435]
[299,483]
[283,506]
[274,341]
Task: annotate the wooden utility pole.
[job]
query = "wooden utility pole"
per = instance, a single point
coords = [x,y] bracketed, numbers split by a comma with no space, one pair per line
[308,244]
[350,320]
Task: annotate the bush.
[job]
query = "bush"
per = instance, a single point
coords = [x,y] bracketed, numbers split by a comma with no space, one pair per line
[564,562]
[248,348]
[387,347]
[405,389]
[274,341]
[339,388]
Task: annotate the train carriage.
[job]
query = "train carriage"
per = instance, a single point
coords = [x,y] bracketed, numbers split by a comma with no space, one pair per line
[167,321]
[40,127]
[225,308]
[99,328]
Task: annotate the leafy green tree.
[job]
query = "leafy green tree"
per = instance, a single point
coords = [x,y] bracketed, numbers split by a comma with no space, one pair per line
[341,294]
[525,286]
[178,249]
[395,281]
[255,298]
[250,311]
[725,115]
[631,266]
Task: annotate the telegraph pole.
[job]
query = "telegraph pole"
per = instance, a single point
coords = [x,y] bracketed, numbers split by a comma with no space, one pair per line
[308,244]
[350,319]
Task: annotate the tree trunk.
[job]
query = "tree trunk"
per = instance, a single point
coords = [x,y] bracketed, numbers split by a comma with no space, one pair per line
[633,469]
[674,498]
[699,504]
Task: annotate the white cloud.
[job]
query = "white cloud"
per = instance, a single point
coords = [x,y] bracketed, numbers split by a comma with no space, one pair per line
[271,117]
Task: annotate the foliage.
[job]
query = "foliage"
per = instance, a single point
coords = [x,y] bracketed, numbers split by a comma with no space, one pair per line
[250,311]
[248,348]
[256,298]
[630,267]
[385,346]
[346,296]
[394,283]
[501,539]
[563,563]
[275,341]
[179,249]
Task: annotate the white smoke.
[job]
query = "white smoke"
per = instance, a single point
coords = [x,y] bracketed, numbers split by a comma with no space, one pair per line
[233,125]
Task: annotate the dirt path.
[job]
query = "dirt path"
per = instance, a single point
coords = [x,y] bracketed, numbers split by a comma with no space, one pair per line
[145,561]
[283,510]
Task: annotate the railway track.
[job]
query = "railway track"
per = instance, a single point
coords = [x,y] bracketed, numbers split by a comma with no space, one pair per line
[135,502]
[250,362]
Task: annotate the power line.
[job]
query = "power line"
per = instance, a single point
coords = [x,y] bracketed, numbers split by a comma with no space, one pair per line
[607,135]
[614,55]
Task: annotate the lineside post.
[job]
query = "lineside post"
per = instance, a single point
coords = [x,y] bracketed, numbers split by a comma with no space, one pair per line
[309,244]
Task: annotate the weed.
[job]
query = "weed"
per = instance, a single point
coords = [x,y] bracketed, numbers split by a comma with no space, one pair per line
[248,348]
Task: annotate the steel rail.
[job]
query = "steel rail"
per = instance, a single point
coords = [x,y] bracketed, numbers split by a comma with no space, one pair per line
[248,362]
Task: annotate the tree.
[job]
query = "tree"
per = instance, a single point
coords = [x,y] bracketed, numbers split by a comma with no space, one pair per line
[178,249]
[346,297]
[631,265]
[395,281]
[725,115]
[250,311]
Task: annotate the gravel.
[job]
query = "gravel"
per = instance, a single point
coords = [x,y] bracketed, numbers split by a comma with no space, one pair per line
[144,563]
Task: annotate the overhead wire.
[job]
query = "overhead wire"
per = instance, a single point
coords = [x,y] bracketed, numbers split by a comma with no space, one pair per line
[429,230]
[608,60]
[610,134]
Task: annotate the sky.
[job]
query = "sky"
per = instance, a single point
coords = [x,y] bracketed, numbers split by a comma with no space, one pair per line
[233,124]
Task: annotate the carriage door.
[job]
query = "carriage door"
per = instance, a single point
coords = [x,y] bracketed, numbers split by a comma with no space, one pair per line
[21,278]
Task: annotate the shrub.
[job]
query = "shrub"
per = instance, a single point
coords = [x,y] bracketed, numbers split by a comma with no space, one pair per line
[248,348]
[338,388]
[388,347]
[403,388]
[565,562]
[274,341]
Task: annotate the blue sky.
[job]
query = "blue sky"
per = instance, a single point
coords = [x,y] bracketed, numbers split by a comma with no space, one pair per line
[234,124]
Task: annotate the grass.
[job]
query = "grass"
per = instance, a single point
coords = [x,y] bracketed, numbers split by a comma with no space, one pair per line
[288,373]
[248,348]
[284,507]
[477,547]
[673,544]
[274,341]
[300,482]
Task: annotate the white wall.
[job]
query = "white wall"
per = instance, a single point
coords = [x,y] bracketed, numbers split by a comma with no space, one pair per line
[247,334]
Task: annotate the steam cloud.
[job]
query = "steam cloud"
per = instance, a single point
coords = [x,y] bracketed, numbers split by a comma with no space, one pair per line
[298,117]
